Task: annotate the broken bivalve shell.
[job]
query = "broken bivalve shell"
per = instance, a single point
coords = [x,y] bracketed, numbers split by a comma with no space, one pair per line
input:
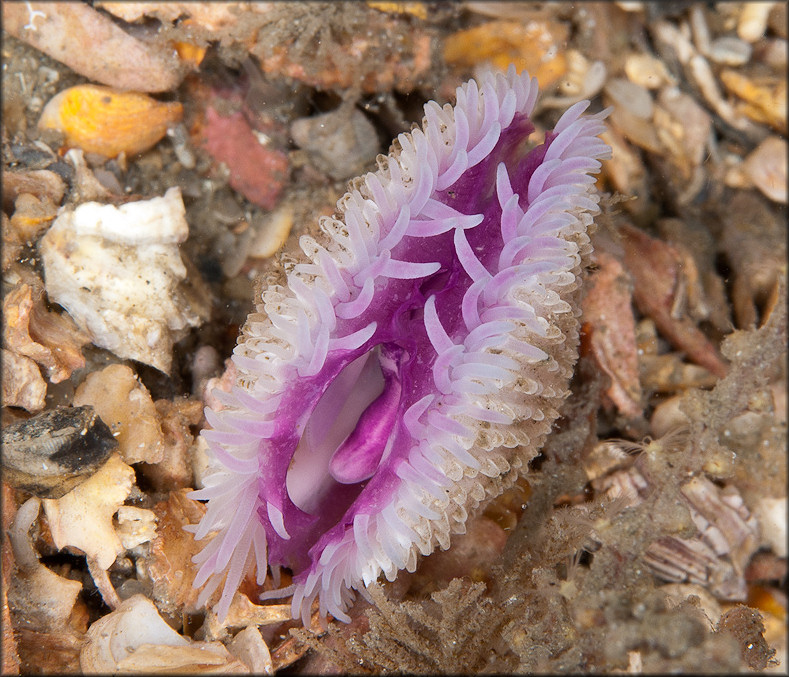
[135,639]
[51,453]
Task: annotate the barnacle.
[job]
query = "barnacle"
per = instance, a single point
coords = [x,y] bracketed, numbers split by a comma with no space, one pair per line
[412,361]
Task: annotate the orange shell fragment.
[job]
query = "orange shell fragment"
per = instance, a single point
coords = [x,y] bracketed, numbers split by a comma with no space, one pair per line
[191,54]
[107,121]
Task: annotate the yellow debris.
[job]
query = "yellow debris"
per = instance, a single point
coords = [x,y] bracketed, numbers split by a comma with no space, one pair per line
[416,9]
[533,47]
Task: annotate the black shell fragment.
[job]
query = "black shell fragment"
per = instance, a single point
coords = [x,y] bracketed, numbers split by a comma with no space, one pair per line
[51,453]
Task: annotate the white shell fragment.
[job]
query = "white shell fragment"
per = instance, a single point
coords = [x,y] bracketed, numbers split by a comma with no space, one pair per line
[683,126]
[135,526]
[244,613]
[771,514]
[135,639]
[647,71]
[633,97]
[271,232]
[83,517]
[730,51]
[753,20]
[119,274]
[249,647]
[766,168]
[584,80]
[37,593]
